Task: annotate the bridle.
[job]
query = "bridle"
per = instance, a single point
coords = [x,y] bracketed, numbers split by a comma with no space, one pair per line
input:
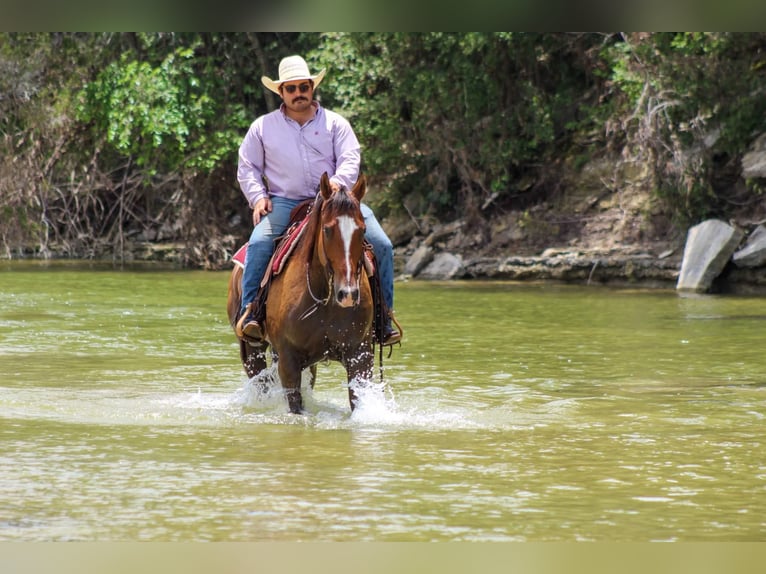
[318,302]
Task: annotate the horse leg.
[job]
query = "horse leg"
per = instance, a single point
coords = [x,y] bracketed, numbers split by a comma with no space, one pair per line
[253,357]
[313,371]
[359,371]
[290,376]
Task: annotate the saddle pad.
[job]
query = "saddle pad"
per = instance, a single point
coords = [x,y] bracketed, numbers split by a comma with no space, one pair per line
[285,248]
[298,217]
[369,260]
[239,256]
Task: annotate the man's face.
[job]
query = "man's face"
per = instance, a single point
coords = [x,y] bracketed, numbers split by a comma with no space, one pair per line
[297,95]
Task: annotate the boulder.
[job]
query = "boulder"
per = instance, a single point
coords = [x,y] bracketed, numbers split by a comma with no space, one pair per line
[754,161]
[444,266]
[422,256]
[709,246]
[441,232]
[400,230]
[753,254]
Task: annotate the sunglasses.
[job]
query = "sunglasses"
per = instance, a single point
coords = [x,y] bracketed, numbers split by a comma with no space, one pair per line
[302,87]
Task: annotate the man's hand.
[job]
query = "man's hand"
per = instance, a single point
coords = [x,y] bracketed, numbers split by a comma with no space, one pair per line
[261,208]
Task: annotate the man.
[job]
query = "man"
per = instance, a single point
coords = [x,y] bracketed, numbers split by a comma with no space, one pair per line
[281,160]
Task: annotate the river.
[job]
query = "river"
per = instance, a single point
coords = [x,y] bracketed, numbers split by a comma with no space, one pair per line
[512,412]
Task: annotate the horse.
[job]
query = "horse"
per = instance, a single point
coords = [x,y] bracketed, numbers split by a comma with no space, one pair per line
[320,305]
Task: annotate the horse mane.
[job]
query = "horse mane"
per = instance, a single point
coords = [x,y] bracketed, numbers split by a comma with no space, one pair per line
[341,202]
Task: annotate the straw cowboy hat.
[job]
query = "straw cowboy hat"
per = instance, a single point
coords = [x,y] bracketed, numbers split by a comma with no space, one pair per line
[291,69]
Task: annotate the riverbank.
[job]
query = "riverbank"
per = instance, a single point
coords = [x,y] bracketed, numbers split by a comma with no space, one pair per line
[619,239]
[588,235]
[633,267]
[450,252]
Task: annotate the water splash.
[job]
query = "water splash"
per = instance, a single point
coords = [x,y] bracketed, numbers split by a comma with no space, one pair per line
[376,404]
[261,400]
[263,392]
[262,397]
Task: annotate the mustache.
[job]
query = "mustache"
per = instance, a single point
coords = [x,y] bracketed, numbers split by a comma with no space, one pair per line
[300,99]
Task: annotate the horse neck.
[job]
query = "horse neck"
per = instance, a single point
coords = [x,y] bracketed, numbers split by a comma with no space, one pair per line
[317,272]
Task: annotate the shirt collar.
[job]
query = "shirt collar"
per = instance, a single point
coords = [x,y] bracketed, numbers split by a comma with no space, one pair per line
[314,103]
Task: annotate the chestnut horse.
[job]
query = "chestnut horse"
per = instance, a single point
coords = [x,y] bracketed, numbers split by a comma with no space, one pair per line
[320,305]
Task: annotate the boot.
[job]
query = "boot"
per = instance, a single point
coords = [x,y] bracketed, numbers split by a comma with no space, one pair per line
[247,327]
[391,335]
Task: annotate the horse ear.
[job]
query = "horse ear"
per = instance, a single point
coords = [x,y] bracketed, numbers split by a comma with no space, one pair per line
[324,186]
[360,187]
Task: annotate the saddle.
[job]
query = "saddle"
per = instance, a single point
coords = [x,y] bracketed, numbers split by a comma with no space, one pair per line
[285,245]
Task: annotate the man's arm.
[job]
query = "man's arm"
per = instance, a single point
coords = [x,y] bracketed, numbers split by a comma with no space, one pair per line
[250,166]
[347,155]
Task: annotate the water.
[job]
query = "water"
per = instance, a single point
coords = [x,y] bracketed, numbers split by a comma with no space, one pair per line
[511,413]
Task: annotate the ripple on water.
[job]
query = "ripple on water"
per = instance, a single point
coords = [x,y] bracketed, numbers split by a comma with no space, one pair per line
[567,415]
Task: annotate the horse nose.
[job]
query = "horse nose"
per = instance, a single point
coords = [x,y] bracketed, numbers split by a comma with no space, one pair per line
[348,296]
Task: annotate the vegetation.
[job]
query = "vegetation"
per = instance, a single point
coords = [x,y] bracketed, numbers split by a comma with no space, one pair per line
[114,137]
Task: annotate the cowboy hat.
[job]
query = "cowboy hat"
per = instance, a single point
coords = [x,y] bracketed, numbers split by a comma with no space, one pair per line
[291,69]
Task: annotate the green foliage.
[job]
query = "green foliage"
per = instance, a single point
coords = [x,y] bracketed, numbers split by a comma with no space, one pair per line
[450,123]
[452,118]
[148,112]
[693,102]
[120,133]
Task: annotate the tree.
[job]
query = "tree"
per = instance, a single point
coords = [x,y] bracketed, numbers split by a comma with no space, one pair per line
[109,137]
[693,102]
[454,122]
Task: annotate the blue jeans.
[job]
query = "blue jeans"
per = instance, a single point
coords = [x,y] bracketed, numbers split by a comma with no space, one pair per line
[261,247]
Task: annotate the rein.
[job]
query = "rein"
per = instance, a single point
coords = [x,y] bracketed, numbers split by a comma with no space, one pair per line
[317,209]
[317,301]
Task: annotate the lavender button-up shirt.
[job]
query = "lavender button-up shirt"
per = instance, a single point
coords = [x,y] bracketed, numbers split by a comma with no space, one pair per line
[294,157]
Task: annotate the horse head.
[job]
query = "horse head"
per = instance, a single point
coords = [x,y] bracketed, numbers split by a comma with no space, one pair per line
[340,239]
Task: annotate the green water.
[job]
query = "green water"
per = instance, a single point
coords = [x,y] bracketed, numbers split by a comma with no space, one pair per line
[511,412]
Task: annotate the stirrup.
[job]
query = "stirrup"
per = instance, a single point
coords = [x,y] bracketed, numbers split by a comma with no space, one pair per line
[398,328]
[239,328]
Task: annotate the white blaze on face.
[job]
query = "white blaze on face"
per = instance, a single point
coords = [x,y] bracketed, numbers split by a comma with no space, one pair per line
[347,226]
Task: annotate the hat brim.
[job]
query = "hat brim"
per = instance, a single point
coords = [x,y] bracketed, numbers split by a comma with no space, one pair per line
[273,85]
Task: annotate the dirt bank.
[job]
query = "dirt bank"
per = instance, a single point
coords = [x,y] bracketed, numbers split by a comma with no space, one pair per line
[590,234]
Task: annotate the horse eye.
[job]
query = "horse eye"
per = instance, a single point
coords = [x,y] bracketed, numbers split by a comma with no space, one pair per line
[327,230]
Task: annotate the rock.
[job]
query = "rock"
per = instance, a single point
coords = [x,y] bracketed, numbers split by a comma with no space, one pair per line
[753,254]
[400,230]
[440,232]
[665,254]
[444,266]
[422,256]
[582,268]
[709,246]
[754,161]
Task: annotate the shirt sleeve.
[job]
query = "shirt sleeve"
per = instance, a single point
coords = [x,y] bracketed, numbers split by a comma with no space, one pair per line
[347,154]
[250,166]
